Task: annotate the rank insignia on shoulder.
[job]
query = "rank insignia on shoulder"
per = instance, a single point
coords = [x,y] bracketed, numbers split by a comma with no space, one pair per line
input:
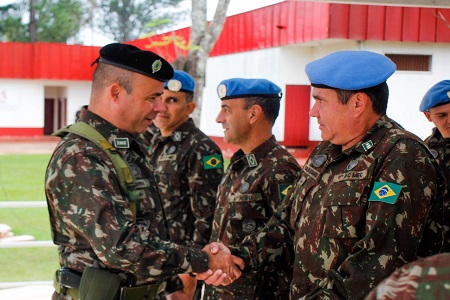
[284,189]
[177,136]
[251,160]
[385,192]
[121,143]
[367,145]
[212,161]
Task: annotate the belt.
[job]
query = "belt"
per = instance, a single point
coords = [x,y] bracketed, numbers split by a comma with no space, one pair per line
[126,293]
[68,283]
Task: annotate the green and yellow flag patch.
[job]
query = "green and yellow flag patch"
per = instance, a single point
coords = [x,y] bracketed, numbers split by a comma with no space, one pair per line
[385,192]
[212,161]
[284,189]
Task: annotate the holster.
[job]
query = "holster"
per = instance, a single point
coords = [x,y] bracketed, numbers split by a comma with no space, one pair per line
[99,284]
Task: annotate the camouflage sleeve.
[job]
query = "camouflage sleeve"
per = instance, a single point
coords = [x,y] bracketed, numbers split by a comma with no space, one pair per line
[205,173]
[271,247]
[393,229]
[282,178]
[90,205]
[423,279]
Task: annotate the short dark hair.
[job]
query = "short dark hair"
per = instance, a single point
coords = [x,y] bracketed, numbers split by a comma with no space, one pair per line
[106,74]
[189,97]
[269,106]
[378,94]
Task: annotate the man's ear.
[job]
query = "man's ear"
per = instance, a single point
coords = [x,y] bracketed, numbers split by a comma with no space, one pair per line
[191,106]
[361,101]
[255,113]
[428,115]
[114,91]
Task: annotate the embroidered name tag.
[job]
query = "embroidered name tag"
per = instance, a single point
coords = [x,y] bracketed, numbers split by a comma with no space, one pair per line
[121,143]
[350,176]
[167,157]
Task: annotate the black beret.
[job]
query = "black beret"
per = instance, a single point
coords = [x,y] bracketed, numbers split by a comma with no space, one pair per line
[136,60]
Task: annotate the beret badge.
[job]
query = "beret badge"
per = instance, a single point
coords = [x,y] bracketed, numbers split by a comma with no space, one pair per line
[222,90]
[174,85]
[156,66]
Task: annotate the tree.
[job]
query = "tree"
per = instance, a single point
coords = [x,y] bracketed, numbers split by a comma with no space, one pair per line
[125,20]
[49,21]
[202,39]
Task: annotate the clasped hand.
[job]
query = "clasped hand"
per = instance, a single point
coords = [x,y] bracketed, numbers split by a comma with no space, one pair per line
[224,268]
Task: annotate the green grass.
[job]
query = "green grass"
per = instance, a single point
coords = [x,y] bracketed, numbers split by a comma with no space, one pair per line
[22,179]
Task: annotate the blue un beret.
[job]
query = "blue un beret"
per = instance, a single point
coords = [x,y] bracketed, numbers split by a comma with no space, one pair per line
[243,88]
[181,81]
[438,94]
[136,60]
[350,70]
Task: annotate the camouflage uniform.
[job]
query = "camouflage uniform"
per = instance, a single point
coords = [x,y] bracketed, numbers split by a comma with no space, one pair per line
[91,219]
[440,149]
[354,216]
[427,278]
[250,192]
[188,167]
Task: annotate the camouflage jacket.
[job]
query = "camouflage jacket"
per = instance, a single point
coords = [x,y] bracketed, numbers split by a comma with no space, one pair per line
[250,192]
[354,216]
[90,215]
[188,167]
[440,149]
[427,278]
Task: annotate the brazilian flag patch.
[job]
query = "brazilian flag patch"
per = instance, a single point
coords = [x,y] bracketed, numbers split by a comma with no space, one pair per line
[284,189]
[212,162]
[385,192]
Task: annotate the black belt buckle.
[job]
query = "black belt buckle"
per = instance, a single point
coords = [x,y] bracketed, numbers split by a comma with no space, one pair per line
[69,278]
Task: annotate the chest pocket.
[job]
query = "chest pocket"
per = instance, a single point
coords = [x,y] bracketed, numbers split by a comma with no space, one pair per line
[247,206]
[300,189]
[345,206]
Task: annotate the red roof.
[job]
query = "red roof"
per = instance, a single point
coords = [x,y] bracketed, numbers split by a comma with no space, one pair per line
[295,22]
[285,23]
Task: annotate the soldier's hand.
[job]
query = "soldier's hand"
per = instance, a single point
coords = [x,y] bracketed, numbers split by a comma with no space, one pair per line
[187,293]
[224,267]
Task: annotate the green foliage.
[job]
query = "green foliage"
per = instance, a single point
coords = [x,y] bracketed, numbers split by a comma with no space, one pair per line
[126,20]
[56,21]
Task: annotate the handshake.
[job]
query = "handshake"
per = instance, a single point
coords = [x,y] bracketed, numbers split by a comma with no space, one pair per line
[224,268]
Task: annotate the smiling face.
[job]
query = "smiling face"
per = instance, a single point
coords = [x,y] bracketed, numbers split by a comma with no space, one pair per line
[177,111]
[234,119]
[440,116]
[138,108]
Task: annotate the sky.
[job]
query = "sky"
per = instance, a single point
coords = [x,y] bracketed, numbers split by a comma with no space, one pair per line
[235,7]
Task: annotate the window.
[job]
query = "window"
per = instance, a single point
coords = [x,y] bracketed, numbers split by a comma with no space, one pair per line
[411,62]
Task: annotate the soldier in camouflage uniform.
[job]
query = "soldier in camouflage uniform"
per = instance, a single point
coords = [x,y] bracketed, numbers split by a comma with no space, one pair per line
[369,198]
[256,181]
[188,167]
[436,107]
[426,278]
[93,220]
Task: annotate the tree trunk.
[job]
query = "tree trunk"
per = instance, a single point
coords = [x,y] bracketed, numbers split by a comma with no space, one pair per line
[32,27]
[202,39]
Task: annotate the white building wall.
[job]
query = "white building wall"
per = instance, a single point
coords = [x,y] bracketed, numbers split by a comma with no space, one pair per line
[286,65]
[22,101]
[21,104]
